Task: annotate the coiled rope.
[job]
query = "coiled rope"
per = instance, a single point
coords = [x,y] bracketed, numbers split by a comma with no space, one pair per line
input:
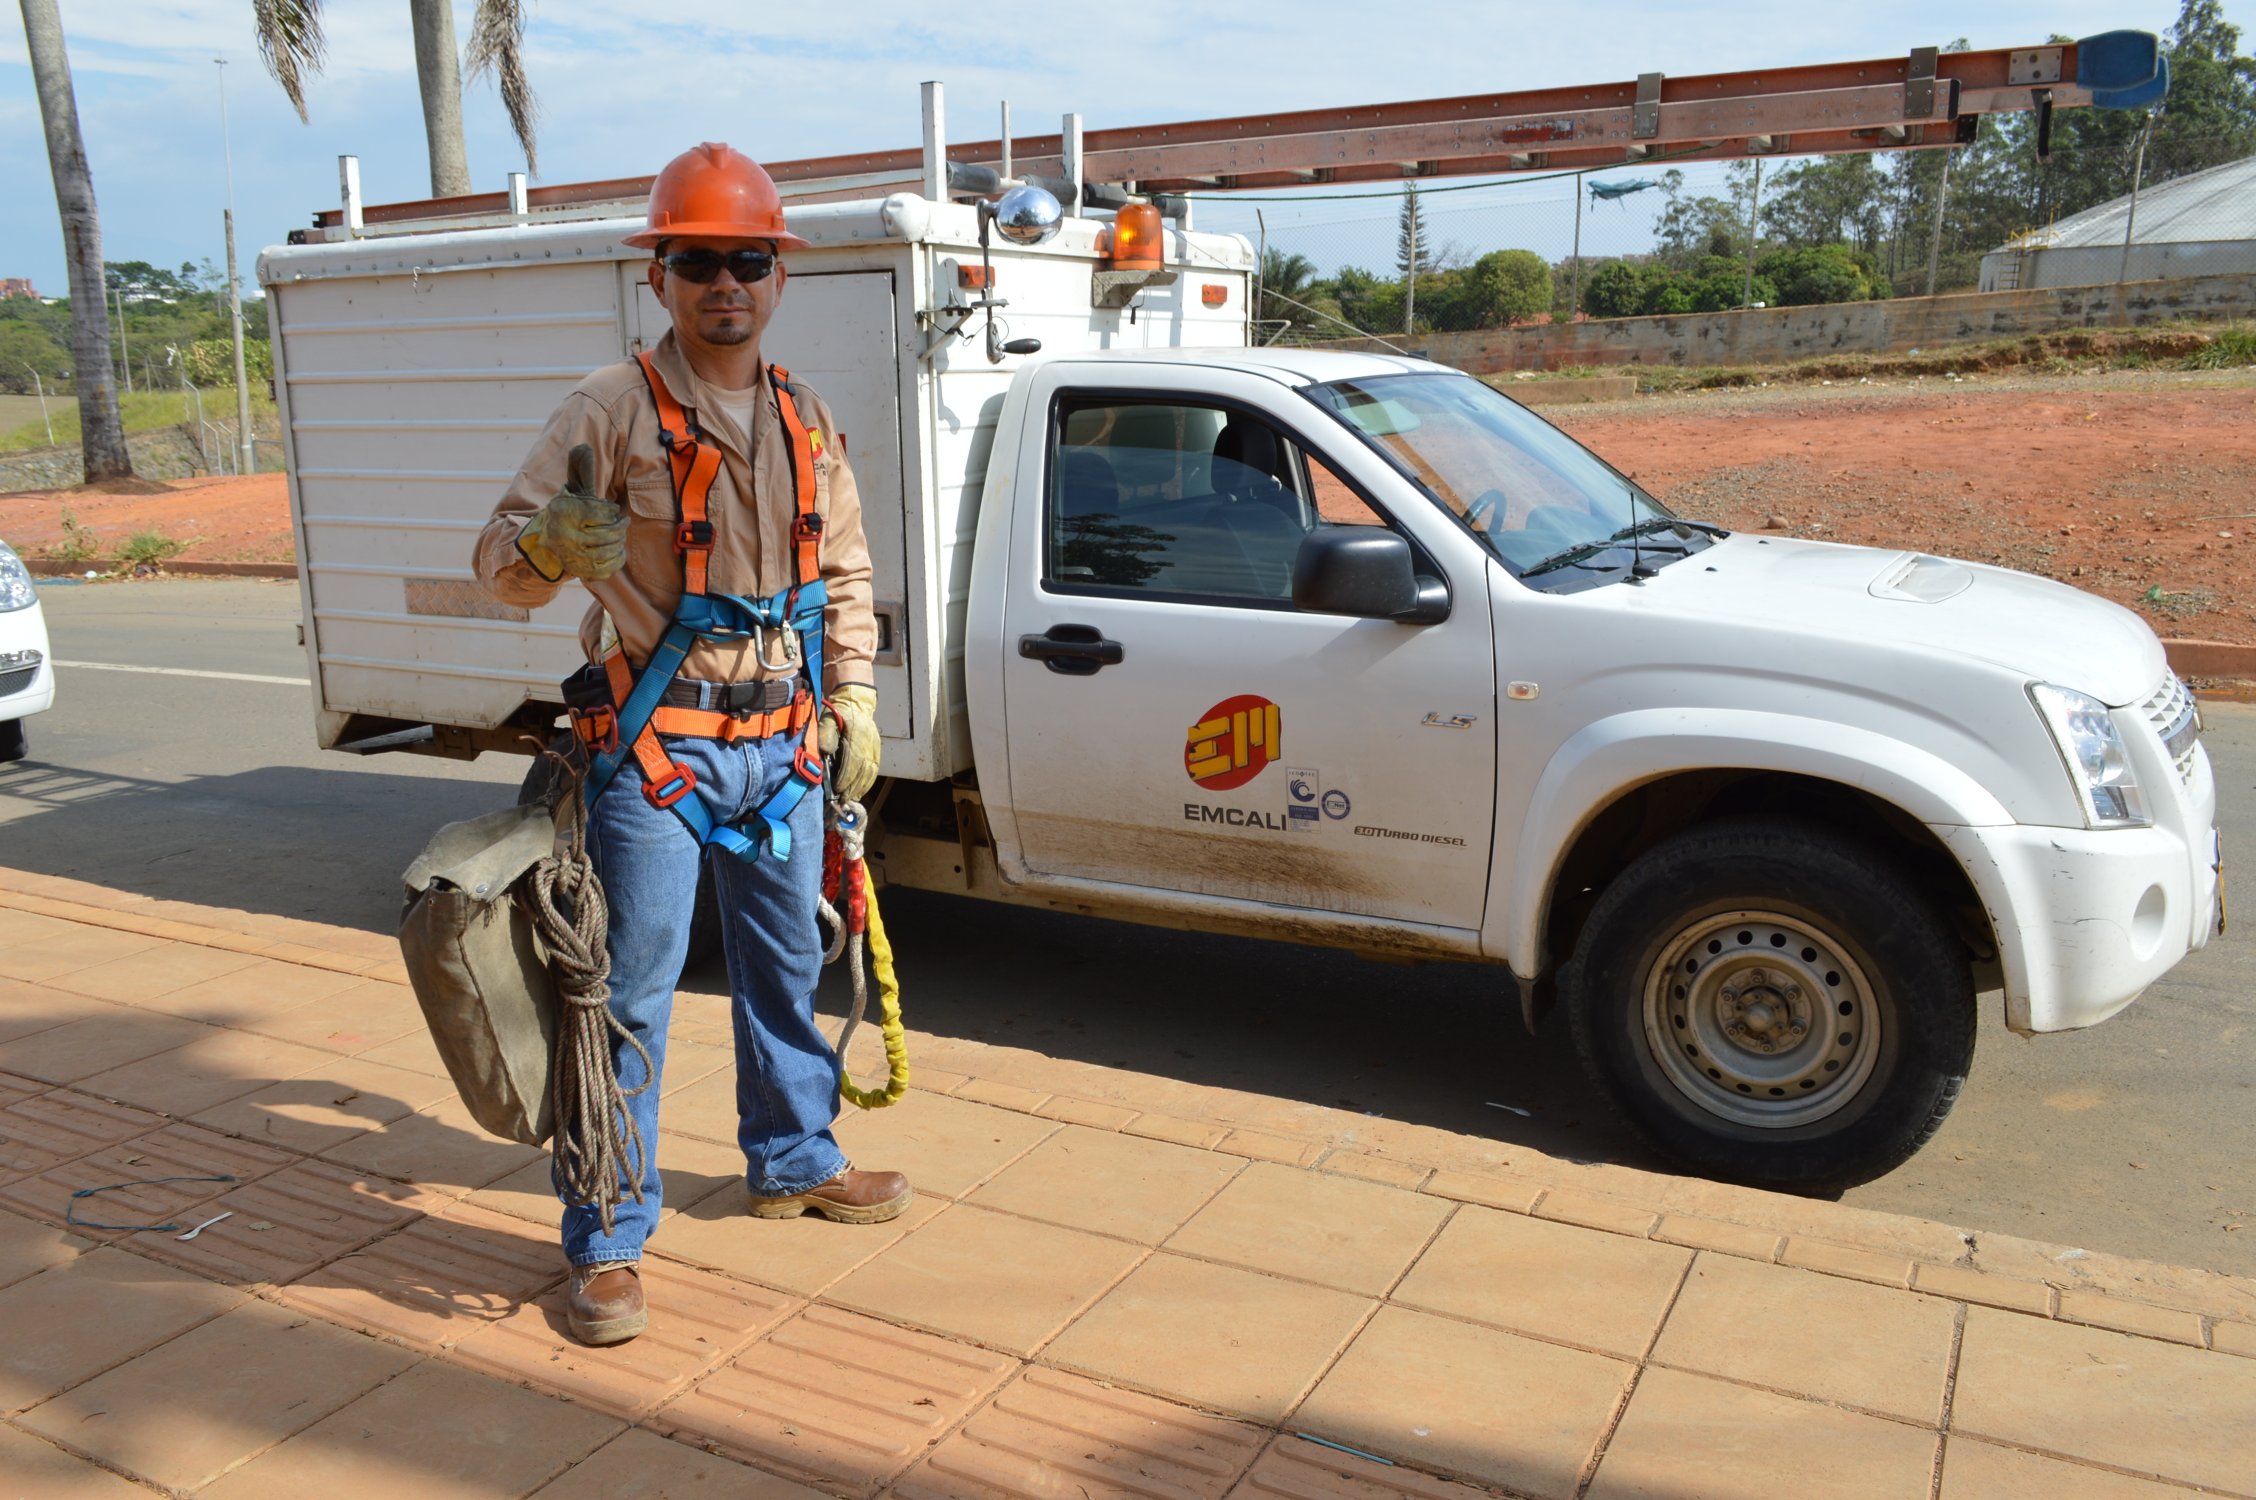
[596,1158]
[849,907]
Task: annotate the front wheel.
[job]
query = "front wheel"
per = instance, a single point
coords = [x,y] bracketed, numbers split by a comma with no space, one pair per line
[12,743]
[1774,1005]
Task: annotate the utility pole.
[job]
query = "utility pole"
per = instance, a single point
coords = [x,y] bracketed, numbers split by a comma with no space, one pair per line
[1574,273]
[246,451]
[2130,221]
[1935,241]
[1754,236]
[41,387]
[125,355]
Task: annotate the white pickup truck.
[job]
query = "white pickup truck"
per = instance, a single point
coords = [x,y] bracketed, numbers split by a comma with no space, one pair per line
[1321,647]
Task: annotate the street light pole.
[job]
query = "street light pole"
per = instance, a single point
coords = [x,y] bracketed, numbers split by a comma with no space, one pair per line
[246,453]
[1935,240]
[125,351]
[41,387]
[2130,220]
[1754,237]
[1574,273]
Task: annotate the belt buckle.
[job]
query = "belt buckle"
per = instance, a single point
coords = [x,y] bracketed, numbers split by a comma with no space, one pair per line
[763,635]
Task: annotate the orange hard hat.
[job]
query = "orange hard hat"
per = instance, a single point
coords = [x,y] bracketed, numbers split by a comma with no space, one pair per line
[719,193]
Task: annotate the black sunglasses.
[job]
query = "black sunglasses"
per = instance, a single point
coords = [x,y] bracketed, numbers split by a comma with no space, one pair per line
[701,266]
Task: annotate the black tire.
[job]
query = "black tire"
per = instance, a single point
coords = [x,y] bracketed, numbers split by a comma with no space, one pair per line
[546,781]
[1763,930]
[13,745]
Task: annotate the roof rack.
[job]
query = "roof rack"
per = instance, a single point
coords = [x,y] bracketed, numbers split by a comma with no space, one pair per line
[1927,98]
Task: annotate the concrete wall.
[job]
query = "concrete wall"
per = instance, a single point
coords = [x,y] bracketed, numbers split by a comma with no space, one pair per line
[166,453]
[1780,335]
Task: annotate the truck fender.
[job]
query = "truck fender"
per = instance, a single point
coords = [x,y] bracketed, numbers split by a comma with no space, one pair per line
[1617,754]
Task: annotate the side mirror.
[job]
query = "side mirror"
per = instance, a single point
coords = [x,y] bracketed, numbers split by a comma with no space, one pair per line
[1365,571]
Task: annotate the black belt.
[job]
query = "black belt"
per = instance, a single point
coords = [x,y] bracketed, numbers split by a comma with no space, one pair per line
[764,696]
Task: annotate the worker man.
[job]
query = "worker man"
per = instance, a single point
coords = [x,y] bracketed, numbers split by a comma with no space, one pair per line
[611,495]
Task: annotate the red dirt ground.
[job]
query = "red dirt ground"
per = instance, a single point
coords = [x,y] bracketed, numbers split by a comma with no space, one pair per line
[2120,483]
[226,519]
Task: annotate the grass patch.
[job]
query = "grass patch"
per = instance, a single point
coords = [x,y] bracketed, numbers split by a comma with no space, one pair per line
[2072,351]
[143,411]
[2233,348]
[78,544]
[150,547]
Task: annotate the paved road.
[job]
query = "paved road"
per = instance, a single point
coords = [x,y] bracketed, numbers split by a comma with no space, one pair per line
[2133,1137]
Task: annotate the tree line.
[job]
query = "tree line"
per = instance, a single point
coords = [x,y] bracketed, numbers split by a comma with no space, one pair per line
[1828,229]
[170,326]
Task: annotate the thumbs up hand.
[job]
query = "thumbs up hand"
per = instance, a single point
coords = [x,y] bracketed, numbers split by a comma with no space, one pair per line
[579,532]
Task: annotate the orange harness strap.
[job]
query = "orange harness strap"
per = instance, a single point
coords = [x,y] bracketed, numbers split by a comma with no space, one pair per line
[695,466]
[728,728]
[806,444]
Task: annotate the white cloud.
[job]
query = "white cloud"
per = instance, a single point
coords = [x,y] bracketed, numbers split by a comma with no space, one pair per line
[623,87]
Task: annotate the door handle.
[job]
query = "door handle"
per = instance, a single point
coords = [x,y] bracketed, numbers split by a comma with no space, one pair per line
[1076,650]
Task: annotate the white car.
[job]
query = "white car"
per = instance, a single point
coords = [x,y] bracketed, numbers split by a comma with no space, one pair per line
[27,678]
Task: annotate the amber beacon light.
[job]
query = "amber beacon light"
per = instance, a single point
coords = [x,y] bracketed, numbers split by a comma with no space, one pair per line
[1138,240]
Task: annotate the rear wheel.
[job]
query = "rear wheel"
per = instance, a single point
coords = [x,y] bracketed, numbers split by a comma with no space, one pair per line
[1773,1004]
[12,743]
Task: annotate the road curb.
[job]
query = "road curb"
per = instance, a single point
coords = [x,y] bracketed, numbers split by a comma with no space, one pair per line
[2226,659]
[2179,1303]
[47,567]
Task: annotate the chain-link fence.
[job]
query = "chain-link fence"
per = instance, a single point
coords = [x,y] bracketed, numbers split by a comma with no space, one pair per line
[1674,236]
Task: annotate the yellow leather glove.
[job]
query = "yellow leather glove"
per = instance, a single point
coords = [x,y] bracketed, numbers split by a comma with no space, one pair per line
[849,739]
[578,532]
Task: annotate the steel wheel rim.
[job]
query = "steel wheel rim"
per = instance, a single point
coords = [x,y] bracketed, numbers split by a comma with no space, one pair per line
[1761,1019]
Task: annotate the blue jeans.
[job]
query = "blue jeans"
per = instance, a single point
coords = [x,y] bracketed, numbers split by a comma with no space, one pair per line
[786,1073]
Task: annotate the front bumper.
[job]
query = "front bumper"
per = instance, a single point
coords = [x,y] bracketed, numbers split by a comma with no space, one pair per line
[2085,919]
[23,634]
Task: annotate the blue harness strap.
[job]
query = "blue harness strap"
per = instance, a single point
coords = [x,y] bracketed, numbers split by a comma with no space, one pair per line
[725,617]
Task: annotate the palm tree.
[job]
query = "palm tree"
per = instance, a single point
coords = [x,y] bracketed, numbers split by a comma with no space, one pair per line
[102,439]
[291,43]
[1285,280]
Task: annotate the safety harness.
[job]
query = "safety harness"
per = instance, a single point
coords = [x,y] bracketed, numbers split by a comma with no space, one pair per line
[630,714]
[617,712]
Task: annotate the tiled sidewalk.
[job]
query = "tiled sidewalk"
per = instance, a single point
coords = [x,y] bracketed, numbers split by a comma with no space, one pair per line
[1111,1284]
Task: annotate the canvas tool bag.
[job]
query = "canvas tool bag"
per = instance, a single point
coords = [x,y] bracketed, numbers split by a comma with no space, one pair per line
[480,971]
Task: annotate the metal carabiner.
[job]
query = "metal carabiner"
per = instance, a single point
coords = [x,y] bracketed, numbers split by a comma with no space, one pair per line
[762,635]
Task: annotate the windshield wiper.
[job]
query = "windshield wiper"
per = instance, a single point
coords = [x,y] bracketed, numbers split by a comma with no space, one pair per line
[1658,523]
[1574,555]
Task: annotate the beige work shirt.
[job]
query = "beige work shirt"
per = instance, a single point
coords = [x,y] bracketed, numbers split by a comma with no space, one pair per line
[751,507]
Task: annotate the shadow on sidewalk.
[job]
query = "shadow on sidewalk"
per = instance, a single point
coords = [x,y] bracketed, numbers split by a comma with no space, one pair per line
[324,845]
[1432,1044]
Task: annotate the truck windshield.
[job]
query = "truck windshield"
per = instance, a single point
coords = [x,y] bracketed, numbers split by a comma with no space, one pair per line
[1540,500]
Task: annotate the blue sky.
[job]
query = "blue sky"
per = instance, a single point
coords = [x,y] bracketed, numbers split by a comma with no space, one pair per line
[623,87]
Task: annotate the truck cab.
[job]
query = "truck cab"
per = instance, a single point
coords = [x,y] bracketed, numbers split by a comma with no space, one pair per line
[1352,649]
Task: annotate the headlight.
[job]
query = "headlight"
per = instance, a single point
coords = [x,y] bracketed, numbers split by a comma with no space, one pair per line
[2085,732]
[16,591]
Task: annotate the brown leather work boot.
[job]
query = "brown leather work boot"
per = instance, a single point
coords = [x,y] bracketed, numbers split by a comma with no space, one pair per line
[852,1197]
[604,1303]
